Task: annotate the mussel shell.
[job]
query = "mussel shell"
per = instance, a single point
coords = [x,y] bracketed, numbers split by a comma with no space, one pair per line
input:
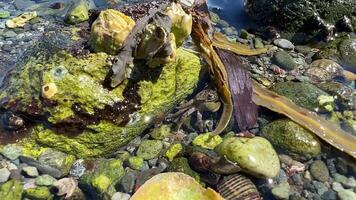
[238,187]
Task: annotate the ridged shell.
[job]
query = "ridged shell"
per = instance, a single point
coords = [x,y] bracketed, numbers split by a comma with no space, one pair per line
[238,187]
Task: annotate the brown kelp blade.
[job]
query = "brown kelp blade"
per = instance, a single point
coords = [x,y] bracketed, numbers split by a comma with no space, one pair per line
[245,111]
[200,36]
[222,42]
[327,131]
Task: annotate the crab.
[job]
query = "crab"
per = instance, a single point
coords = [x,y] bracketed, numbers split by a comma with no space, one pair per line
[205,101]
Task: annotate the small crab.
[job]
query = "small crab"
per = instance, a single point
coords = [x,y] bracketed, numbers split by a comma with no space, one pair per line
[206,100]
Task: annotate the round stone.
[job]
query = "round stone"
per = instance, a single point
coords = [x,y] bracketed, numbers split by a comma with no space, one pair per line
[284,60]
[284,44]
[319,171]
[149,149]
[4,175]
[281,191]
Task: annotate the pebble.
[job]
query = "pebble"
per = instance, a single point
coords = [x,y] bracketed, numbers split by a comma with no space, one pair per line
[11,152]
[346,195]
[281,177]
[281,191]
[45,169]
[320,187]
[297,179]
[149,149]
[16,175]
[337,186]
[284,44]
[30,171]
[319,171]
[350,183]
[339,178]
[284,60]
[120,196]
[127,182]
[45,180]
[329,195]
[152,162]
[78,168]
[330,163]
[4,175]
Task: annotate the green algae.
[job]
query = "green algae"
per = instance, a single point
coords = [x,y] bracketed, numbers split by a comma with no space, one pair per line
[11,190]
[38,193]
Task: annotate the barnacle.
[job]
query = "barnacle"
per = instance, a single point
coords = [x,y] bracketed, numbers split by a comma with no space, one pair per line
[49,90]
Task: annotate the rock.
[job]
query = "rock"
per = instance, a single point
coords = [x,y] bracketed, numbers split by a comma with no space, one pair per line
[303,49]
[284,60]
[44,169]
[346,195]
[21,20]
[350,183]
[173,151]
[136,162]
[16,174]
[339,178]
[38,193]
[255,156]
[337,186]
[149,149]
[284,44]
[78,168]
[329,195]
[258,43]
[11,190]
[319,171]
[207,141]
[244,34]
[68,188]
[58,160]
[181,165]
[161,132]
[300,93]
[78,12]
[347,50]
[30,171]
[320,187]
[127,182]
[281,191]
[103,179]
[109,31]
[281,177]
[292,138]
[4,14]
[4,175]
[45,180]
[323,70]
[11,151]
[120,196]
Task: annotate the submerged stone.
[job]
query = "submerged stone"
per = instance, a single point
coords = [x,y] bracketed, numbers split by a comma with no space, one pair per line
[11,190]
[78,12]
[347,49]
[255,156]
[284,60]
[292,138]
[38,193]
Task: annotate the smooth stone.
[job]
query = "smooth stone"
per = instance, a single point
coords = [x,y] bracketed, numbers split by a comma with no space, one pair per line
[284,44]
[258,43]
[337,186]
[255,156]
[350,183]
[319,171]
[149,149]
[58,160]
[38,193]
[11,190]
[45,180]
[303,49]
[295,140]
[346,195]
[44,169]
[11,151]
[347,50]
[329,195]
[4,175]
[16,174]
[339,178]
[31,171]
[284,60]
[281,191]
[120,196]
[4,14]
[281,177]
[181,165]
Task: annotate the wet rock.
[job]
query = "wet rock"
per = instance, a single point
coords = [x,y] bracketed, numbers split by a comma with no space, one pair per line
[303,49]
[329,195]
[136,162]
[127,182]
[337,186]
[149,149]
[207,141]
[281,177]
[16,174]
[11,190]
[4,14]
[161,132]
[11,151]
[284,44]
[319,171]
[44,169]
[4,175]
[292,138]
[281,191]
[324,70]
[320,187]
[346,195]
[21,20]
[258,43]
[102,179]
[300,93]
[173,151]
[38,193]
[339,178]
[120,196]
[30,171]
[58,160]
[255,156]
[78,12]
[109,31]
[181,165]
[350,183]
[284,60]
[347,50]
[45,180]
[78,168]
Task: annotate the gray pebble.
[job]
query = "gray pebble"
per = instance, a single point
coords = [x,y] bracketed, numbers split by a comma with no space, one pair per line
[30,171]
[4,175]
[329,195]
[320,187]
[127,182]
[120,196]
[284,44]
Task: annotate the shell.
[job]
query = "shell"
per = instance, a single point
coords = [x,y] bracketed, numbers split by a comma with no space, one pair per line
[238,187]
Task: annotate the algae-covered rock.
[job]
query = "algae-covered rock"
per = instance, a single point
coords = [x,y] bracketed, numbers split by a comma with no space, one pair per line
[173,151]
[38,193]
[255,156]
[181,165]
[161,132]
[102,179]
[78,12]
[292,138]
[149,149]
[284,60]
[109,31]
[11,190]
[136,162]
[207,141]
[83,117]
[174,186]
[301,93]
[58,160]
[21,20]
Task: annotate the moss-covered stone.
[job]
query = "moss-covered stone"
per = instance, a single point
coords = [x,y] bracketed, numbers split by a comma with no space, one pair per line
[103,178]
[161,132]
[11,190]
[181,165]
[78,12]
[136,162]
[207,141]
[80,94]
[149,149]
[173,151]
[292,138]
[301,93]
[255,156]
[58,160]
[284,60]
[38,193]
